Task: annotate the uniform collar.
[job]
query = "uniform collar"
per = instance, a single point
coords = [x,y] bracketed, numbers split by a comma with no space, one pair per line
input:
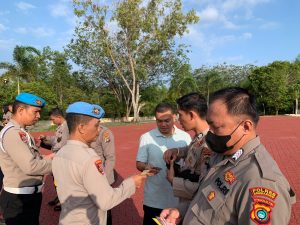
[246,150]
[15,123]
[78,143]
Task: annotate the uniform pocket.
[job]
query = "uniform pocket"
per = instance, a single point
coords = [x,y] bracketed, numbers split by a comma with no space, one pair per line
[206,209]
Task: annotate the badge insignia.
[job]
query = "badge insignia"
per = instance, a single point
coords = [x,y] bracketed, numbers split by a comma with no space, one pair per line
[96,111]
[261,211]
[23,137]
[211,195]
[106,137]
[229,177]
[38,102]
[264,192]
[99,166]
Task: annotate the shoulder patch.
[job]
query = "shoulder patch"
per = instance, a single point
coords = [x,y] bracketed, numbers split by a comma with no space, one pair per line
[23,137]
[99,166]
[106,137]
[261,211]
[263,192]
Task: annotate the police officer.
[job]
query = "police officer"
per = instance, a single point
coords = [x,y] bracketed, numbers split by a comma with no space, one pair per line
[61,134]
[192,109]
[56,141]
[244,184]
[22,164]
[104,146]
[82,186]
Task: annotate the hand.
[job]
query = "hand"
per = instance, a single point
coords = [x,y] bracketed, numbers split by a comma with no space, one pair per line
[41,137]
[171,215]
[152,169]
[170,154]
[138,180]
[49,156]
[171,172]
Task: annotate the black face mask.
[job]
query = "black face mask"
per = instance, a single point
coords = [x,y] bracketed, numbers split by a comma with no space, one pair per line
[218,143]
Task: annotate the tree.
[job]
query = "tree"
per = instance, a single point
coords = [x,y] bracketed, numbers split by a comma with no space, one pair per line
[26,64]
[270,84]
[182,82]
[130,44]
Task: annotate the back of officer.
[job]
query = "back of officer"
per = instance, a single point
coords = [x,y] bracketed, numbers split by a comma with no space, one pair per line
[22,164]
[82,186]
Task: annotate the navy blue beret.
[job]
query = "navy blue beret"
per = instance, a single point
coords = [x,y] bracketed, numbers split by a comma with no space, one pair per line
[31,99]
[87,109]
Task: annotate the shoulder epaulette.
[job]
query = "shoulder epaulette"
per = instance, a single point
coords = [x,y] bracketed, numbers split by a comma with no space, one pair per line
[263,163]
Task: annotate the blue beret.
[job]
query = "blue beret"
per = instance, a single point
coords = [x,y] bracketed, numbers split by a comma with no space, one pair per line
[31,99]
[87,109]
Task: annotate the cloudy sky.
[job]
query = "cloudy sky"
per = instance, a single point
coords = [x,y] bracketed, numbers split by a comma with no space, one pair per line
[231,31]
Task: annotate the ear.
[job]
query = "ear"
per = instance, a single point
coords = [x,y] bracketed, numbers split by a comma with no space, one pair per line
[192,114]
[248,126]
[20,110]
[174,117]
[81,128]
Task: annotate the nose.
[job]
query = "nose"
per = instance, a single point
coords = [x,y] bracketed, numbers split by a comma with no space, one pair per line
[38,115]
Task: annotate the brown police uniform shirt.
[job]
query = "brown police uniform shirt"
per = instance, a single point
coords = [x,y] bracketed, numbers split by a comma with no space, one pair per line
[105,147]
[59,139]
[82,186]
[247,188]
[196,160]
[20,160]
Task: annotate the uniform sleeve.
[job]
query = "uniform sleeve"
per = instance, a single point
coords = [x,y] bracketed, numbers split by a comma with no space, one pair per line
[142,155]
[63,139]
[184,188]
[108,146]
[23,156]
[264,202]
[98,188]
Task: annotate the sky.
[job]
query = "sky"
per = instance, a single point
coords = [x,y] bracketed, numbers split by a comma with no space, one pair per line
[236,32]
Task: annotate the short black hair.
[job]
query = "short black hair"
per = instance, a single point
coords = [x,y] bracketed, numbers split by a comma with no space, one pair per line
[5,109]
[17,104]
[74,120]
[193,102]
[164,107]
[56,112]
[239,101]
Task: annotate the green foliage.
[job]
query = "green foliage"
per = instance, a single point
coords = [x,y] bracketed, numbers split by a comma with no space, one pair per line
[274,85]
[140,49]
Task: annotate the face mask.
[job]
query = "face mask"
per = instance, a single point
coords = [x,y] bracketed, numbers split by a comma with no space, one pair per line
[218,143]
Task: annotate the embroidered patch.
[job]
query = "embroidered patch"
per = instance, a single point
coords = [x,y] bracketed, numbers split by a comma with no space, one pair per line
[23,137]
[262,191]
[38,102]
[222,187]
[229,177]
[106,137]
[211,195]
[98,164]
[96,111]
[261,211]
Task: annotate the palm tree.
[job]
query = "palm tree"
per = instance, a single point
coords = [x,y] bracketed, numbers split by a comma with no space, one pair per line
[26,64]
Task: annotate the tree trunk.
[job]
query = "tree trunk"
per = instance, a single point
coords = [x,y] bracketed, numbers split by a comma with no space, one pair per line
[296,107]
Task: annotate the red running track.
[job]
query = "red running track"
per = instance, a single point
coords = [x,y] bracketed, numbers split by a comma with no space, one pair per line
[280,135]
